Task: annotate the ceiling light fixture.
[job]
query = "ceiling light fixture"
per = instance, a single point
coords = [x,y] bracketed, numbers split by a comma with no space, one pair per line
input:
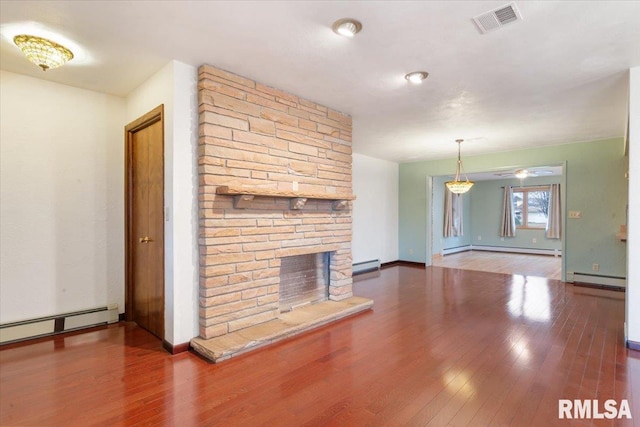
[456,186]
[45,53]
[522,173]
[416,77]
[347,27]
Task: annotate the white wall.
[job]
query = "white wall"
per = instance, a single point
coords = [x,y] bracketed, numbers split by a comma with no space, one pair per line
[375,210]
[61,199]
[633,241]
[186,271]
[175,86]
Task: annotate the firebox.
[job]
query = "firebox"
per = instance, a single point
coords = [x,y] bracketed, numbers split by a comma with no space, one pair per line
[304,279]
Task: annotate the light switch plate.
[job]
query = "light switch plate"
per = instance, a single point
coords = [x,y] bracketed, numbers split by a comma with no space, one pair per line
[575,214]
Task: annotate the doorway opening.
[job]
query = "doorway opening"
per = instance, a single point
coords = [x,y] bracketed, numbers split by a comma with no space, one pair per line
[479,246]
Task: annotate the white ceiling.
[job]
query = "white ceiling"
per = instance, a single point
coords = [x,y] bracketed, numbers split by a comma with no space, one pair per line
[558,76]
[509,173]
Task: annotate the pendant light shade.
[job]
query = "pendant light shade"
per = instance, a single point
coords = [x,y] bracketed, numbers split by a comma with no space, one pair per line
[457,186]
[45,53]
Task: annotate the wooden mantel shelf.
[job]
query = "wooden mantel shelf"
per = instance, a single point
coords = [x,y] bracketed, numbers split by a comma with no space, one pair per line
[242,196]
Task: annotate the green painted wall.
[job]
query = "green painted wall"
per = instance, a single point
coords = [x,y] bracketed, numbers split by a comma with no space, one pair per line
[486,206]
[594,182]
[439,241]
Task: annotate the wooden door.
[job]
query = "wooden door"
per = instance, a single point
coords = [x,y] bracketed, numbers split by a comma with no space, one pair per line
[145,221]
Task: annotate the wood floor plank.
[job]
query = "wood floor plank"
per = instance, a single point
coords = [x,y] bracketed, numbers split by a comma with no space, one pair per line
[546,266]
[441,347]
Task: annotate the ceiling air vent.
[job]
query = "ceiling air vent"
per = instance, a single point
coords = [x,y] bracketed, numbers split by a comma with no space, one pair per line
[497,18]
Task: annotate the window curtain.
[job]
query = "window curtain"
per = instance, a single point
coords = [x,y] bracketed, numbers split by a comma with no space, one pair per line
[554,222]
[508,221]
[452,214]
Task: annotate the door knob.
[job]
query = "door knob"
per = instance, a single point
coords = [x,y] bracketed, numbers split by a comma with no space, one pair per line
[145,239]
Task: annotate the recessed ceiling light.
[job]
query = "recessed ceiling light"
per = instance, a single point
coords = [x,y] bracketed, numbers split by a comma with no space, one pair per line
[347,27]
[416,77]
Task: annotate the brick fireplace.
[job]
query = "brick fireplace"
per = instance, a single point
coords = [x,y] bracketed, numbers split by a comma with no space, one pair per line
[275,181]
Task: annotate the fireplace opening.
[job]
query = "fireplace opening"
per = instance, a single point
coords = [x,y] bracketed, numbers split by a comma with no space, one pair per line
[304,279]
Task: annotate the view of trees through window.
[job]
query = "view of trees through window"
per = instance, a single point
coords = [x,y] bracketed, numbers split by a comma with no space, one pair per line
[531,206]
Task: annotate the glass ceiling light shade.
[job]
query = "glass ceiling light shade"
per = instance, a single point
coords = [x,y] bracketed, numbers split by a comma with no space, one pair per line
[457,186]
[522,173]
[347,27]
[46,54]
[416,77]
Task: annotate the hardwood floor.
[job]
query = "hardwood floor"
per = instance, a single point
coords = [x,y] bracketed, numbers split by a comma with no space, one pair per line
[502,262]
[442,347]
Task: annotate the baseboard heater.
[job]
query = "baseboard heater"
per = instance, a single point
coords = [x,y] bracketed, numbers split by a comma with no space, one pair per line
[554,252]
[50,325]
[366,266]
[593,279]
[456,250]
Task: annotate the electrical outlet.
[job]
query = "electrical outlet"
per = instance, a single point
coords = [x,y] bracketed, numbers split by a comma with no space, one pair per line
[595,267]
[575,214]
[410,251]
[295,185]
[479,237]
[502,239]
[534,240]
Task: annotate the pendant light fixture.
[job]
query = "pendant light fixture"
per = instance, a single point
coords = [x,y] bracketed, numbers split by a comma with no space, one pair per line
[45,53]
[457,186]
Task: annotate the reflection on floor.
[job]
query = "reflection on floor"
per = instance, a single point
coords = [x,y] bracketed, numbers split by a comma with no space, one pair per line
[502,262]
[441,347]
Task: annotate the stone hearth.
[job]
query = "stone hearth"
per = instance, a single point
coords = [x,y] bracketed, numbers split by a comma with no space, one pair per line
[285,326]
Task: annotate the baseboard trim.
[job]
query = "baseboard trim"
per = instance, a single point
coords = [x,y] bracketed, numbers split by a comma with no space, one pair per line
[402,263]
[388,264]
[175,349]
[632,345]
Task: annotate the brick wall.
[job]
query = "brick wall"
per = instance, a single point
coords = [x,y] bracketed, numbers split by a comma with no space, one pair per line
[255,136]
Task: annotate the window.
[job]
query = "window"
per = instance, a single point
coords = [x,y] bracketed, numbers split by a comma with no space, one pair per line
[531,206]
